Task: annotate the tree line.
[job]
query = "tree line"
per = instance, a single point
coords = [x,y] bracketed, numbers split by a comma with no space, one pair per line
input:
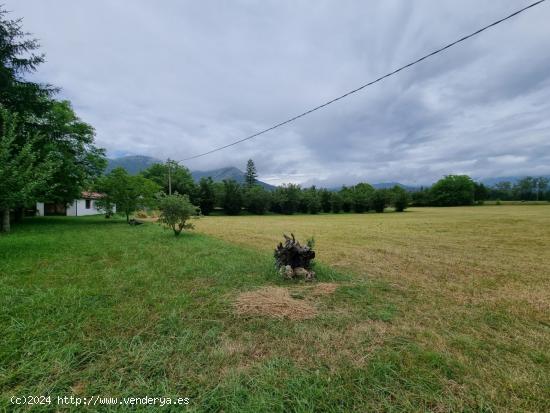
[46,151]
[130,193]
[456,190]
[526,189]
[230,197]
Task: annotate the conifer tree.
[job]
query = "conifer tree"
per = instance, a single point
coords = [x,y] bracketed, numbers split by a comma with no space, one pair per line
[251,174]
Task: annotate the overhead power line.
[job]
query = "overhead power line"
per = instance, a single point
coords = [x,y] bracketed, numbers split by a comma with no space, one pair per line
[307,112]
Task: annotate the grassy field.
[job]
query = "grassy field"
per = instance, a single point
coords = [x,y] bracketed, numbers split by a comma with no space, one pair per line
[434,310]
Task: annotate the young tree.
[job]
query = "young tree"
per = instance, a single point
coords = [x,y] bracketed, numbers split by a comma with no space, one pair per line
[233,197]
[421,197]
[453,190]
[361,194]
[313,200]
[219,194]
[346,195]
[303,202]
[541,186]
[20,172]
[257,200]
[502,191]
[251,175]
[207,195]
[175,212]
[325,196]
[286,199]
[380,199]
[524,189]
[480,192]
[336,202]
[129,193]
[400,198]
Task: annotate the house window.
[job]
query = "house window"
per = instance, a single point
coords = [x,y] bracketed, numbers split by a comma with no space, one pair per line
[88,203]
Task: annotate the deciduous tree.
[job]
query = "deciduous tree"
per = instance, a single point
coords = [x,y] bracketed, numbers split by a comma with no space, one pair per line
[400,198]
[257,200]
[233,197]
[181,179]
[286,199]
[380,200]
[453,190]
[325,196]
[207,195]
[346,195]
[336,202]
[129,193]
[21,173]
[69,140]
[361,195]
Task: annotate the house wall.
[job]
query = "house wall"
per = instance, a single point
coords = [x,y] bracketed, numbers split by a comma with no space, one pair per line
[40,209]
[78,208]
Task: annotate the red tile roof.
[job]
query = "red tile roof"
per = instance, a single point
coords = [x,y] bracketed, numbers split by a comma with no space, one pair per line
[91,195]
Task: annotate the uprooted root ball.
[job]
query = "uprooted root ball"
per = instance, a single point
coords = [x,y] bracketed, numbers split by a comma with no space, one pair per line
[294,260]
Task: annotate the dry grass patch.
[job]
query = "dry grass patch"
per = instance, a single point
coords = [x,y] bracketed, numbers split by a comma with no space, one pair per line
[321,289]
[282,303]
[274,302]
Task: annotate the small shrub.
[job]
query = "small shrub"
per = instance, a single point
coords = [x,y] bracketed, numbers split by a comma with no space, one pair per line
[175,211]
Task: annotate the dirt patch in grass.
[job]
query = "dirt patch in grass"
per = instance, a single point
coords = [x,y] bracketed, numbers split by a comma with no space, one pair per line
[274,302]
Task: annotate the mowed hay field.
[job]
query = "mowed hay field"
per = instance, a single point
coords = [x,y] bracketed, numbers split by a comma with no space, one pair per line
[469,288]
[429,310]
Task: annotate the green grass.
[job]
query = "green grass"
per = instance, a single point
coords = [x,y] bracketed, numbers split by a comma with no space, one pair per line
[90,306]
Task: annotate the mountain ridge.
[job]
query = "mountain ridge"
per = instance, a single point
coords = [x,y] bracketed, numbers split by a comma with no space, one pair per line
[134,164]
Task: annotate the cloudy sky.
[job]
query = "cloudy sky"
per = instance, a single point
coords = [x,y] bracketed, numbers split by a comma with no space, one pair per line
[177,78]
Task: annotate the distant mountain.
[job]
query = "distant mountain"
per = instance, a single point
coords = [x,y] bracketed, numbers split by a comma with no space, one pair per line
[133,164]
[218,175]
[386,185]
[229,172]
[137,163]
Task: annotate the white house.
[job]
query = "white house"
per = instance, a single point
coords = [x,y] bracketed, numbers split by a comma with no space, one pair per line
[79,207]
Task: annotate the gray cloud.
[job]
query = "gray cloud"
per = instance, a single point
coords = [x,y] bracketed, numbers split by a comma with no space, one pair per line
[171,79]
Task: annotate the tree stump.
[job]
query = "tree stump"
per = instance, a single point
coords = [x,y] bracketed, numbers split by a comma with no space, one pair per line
[294,260]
